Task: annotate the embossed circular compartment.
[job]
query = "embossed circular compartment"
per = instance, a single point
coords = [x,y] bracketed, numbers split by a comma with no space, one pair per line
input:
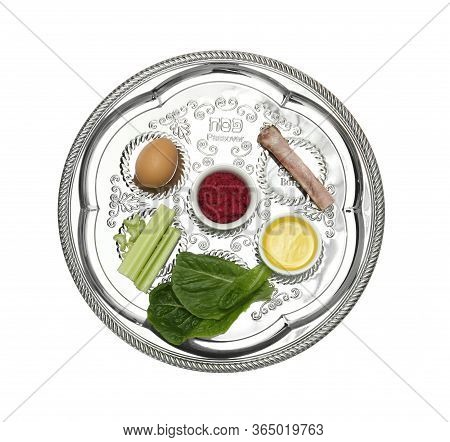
[182,245]
[276,182]
[214,104]
[288,279]
[215,232]
[128,160]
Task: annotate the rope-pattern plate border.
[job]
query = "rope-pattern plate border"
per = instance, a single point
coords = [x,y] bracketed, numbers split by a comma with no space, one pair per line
[250,362]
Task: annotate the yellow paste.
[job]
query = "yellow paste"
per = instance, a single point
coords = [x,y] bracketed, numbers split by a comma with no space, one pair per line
[290,243]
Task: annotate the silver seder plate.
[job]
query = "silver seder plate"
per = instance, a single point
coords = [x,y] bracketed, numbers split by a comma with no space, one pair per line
[213,105]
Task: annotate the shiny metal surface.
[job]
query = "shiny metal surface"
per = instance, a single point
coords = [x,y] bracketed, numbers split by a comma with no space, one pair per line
[212,105]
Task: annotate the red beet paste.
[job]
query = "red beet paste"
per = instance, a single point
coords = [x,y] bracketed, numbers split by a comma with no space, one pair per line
[223,197]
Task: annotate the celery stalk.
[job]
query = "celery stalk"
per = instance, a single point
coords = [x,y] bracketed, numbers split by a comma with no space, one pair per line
[146,242]
[158,259]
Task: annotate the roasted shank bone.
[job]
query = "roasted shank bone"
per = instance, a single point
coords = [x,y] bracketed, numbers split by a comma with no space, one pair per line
[271,139]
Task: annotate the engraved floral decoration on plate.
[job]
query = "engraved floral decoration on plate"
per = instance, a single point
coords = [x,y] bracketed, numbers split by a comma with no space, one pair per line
[120,201]
[177,122]
[277,299]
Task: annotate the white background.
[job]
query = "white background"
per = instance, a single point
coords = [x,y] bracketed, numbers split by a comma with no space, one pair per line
[403,314]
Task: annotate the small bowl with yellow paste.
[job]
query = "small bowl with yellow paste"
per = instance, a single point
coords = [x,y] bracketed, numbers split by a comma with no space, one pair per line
[290,244]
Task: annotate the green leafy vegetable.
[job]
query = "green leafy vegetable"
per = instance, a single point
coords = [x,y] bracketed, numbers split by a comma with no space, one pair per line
[210,287]
[176,324]
[202,287]
[121,239]
[168,316]
[133,226]
[250,281]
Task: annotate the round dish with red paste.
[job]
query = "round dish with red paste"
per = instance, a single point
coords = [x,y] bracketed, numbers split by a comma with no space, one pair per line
[223,197]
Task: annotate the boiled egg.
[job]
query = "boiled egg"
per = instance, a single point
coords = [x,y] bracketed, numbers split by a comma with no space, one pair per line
[157,163]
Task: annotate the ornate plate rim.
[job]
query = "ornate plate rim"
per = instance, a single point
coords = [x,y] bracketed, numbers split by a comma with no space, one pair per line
[252,361]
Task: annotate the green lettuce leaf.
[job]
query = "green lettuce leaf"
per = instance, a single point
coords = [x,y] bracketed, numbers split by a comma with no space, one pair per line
[168,316]
[176,324]
[244,285]
[210,287]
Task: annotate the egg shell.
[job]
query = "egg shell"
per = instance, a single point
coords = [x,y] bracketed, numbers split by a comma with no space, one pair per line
[156,163]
